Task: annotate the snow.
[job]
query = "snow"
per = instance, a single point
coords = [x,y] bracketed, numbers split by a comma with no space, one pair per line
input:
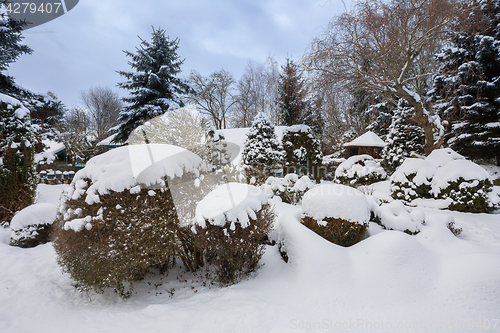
[126,167]
[457,169]
[336,201]
[423,170]
[440,157]
[430,282]
[21,112]
[352,167]
[231,202]
[107,141]
[37,214]
[395,216]
[369,139]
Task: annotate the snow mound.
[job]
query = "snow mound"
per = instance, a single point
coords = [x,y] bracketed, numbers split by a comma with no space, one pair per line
[422,170]
[441,157]
[232,202]
[37,214]
[454,170]
[395,216]
[336,201]
[127,167]
[291,188]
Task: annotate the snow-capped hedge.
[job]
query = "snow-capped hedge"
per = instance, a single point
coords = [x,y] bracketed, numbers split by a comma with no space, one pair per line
[448,176]
[396,216]
[290,189]
[231,226]
[336,212]
[122,215]
[32,225]
[359,170]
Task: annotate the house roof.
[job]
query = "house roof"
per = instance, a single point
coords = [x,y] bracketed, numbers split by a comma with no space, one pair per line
[369,139]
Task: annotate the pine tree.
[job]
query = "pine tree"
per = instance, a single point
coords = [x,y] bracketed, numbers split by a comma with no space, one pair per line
[18,178]
[467,90]
[262,147]
[405,137]
[291,94]
[10,50]
[153,85]
[312,117]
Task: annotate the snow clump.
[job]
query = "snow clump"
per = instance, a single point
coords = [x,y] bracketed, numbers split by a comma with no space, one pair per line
[359,170]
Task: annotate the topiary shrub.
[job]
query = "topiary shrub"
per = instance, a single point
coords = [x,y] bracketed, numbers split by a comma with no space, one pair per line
[32,225]
[231,229]
[337,213]
[120,220]
[290,189]
[302,151]
[359,170]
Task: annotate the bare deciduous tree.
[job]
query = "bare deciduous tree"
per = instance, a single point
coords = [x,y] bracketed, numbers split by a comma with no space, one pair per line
[214,95]
[384,47]
[104,108]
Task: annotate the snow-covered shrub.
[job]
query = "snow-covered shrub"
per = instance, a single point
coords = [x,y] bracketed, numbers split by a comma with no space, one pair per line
[232,223]
[120,218]
[302,151]
[330,163]
[405,137]
[32,225]
[262,150]
[445,175]
[18,177]
[336,212]
[396,216]
[290,189]
[359,170]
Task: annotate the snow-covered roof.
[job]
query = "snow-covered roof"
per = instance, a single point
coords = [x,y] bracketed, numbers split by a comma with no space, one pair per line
[232,202]
[369,139]
[127,167]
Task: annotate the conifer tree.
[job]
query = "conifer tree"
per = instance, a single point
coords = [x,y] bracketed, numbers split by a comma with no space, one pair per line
[10,50]
[18,178]
[291,94]
[405,137]
[302,151]
[262,148]
[154,86]
[467,90]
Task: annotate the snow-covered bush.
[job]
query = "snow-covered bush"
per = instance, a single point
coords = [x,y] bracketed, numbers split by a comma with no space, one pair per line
[359,170]
[18,177]
[32,225]
[337,213]
[302,151]
[396,216]
[120,218]
[262,150]
[290,189]
[445,175]
[232,223]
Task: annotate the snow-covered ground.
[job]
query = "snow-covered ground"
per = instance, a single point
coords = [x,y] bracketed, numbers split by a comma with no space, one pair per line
[431,282]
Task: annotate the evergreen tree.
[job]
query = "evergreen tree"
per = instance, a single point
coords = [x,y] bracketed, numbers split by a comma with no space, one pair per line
[302,151]
[291,94]
[313,117]
[382,112]
[153,85]
[46,110]
[262,148]
[405,137]
[467,90]
[10,50]
[18,178]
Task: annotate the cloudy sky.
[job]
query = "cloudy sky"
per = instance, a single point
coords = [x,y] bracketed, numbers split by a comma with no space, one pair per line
[84,48]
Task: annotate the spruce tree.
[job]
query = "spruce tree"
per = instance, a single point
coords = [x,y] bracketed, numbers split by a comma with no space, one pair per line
[262,148]
[154,86]
[291,94]
[405,137]
[10,50]
[467,90]
[18,178]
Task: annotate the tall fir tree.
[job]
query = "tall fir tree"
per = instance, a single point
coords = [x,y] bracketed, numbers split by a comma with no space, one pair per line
[18,177]
[262,148]
[405,138]
[467,90]
[292,93]
[10,50]
[154,86]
